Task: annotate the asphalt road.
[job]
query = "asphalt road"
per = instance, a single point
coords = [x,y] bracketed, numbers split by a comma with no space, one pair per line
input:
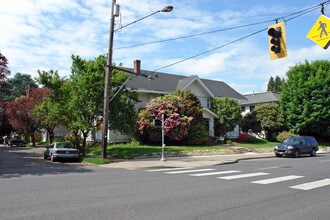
[273,188]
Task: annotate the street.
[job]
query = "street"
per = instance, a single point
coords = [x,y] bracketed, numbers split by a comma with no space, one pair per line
[272,188]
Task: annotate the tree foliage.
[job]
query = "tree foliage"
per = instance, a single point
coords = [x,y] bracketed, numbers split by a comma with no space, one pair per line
[229,113]
[275,85]
[271,119]
[305,98]
[20,85]
[250,122]
[4,72]
[20,112]
[50,113]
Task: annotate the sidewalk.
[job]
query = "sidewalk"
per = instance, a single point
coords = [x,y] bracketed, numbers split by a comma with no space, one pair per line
[181,162]
[185,162]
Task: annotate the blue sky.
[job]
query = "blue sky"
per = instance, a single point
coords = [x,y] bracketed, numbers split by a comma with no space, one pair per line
[43,34]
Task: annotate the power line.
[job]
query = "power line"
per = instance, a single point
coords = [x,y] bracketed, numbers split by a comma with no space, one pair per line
[208,51]
[300,13]
[194,35]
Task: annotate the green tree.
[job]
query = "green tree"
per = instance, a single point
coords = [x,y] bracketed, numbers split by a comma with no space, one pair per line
[229,113]
[270,85]
[275,85]
[85,89]
[48,114]
[20,85]
[250,121]
[122,113]
[305,98]
[51,112]
[271,119]
[4,72]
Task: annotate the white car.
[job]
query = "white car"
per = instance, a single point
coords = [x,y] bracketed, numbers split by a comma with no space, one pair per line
[61,150]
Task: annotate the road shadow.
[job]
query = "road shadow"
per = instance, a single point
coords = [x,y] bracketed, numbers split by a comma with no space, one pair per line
[18,162]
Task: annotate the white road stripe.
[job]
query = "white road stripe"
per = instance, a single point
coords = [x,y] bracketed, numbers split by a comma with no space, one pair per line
[312,185]
[189,171]
[214,173]
[322,161]
[267,168]
[168,169]
[242,176]
[278,179]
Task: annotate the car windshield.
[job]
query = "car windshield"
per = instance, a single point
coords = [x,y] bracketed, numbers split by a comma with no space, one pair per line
[64,145]
[291,141]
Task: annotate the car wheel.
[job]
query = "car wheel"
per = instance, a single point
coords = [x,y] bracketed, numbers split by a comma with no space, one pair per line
[296,153]
[52,158]
[278,155]
[313,153]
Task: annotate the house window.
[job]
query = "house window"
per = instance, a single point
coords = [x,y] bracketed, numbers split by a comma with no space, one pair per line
[251,108]
[208,103]
[243,108]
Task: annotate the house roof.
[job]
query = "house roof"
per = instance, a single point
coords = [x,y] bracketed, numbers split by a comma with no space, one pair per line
[260,98]
[166,83]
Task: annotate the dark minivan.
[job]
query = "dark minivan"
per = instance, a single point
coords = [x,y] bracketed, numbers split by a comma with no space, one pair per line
[295,146]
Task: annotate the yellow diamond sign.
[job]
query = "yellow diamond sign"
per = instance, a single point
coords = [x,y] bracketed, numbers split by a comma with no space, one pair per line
[320,32]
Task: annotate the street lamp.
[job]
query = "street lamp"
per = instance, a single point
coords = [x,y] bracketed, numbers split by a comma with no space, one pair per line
[114,13]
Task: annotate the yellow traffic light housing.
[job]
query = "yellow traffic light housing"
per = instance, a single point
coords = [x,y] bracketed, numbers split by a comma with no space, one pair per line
[277,41]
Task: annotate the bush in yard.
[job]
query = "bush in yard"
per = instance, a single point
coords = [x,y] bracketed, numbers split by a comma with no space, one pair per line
[284,135]
[182,110]
[243,136]
[197,135]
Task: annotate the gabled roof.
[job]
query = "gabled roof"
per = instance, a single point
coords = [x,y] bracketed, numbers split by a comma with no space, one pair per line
[167,83]
[260,98]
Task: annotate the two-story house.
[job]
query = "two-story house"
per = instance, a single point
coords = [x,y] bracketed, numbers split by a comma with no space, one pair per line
[157,84]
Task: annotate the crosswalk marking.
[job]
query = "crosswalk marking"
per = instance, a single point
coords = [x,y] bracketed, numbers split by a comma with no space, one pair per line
[242,176]
[215,173]
[167,169]
[267,168]
[322,161]
[188,171]
[312,185]
[278,179]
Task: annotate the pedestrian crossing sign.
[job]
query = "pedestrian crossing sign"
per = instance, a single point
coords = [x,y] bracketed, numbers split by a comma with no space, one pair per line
[320,32]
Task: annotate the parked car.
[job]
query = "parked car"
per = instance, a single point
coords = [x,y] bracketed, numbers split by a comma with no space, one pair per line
[61,150]
[17,141]
[295,146]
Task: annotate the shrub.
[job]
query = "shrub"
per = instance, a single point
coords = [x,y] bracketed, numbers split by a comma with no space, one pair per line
[197,135]
[283,135]
[243,136]
[253,140]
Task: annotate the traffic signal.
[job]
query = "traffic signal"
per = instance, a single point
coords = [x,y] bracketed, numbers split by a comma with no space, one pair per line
[137,67]
[277,41]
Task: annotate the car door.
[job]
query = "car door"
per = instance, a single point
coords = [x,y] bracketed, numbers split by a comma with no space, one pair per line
[308,145]
[302,146]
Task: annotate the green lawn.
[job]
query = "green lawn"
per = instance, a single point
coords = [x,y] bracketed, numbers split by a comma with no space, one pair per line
[130,151]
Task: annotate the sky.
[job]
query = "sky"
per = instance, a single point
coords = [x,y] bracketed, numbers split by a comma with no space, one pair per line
[44,34]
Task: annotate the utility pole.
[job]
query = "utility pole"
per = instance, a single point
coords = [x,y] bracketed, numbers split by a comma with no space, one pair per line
[107,85]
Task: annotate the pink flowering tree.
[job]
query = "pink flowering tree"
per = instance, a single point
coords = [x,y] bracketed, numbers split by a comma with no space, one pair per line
[181,111]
